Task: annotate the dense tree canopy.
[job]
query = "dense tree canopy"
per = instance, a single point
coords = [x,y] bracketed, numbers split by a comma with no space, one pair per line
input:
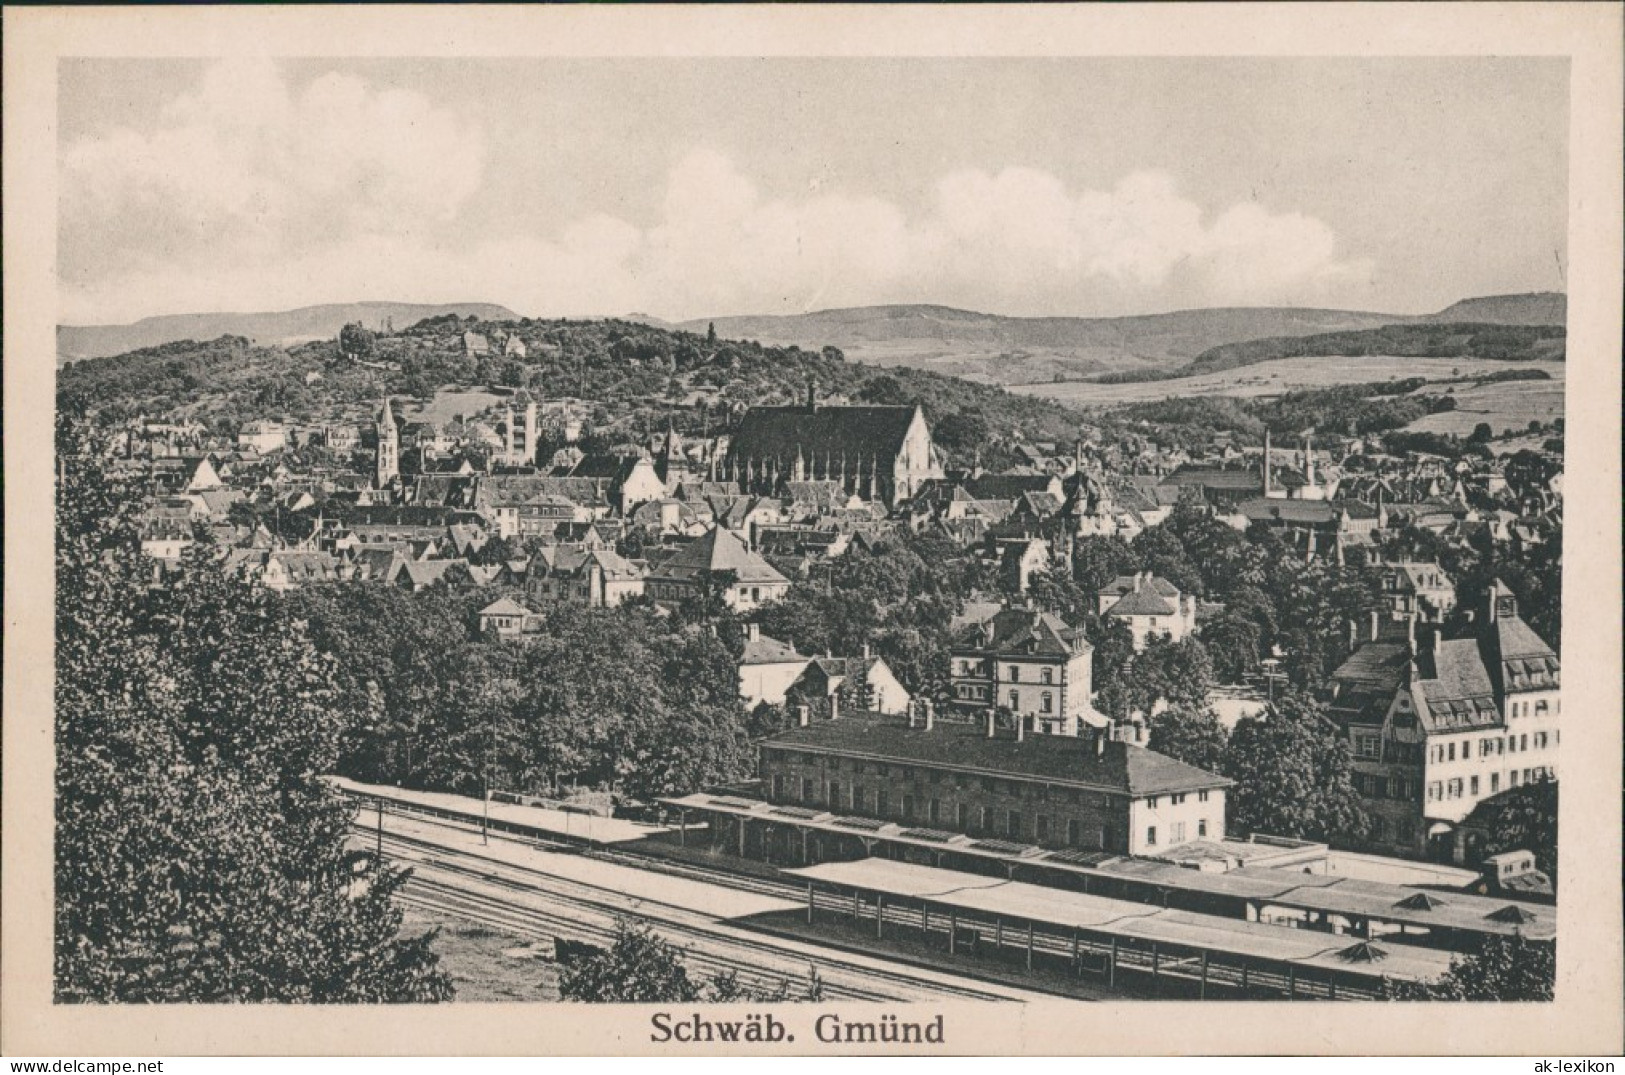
[1191,734]
[1503,969]
[198,855]
[642,967]
[1293,774]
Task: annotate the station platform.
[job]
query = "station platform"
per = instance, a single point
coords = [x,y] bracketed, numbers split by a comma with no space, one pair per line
[563,826]
[1116,938]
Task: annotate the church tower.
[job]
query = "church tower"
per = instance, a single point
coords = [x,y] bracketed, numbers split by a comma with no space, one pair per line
[389,448]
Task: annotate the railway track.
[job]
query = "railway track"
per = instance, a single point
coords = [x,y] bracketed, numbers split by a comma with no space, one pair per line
[716,875]
[535,904]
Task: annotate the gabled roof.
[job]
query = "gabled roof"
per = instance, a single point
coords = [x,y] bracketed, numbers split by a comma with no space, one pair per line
[1215,478]
[764,649]
[538,490]
[719,550]
[1456,688]
[857,433]
[1024,632]
[504,606]
[1376,667]
[1142,603]
[1125,584]
[1265,509]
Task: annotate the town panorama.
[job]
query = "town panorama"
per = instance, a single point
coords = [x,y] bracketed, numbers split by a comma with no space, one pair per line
[474,656]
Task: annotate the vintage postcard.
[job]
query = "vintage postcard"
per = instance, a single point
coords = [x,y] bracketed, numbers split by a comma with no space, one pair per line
[813,530]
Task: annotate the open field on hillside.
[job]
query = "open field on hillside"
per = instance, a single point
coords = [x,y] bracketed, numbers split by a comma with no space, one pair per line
[985,366]
[1291,374]
[1506,406]
[449,403]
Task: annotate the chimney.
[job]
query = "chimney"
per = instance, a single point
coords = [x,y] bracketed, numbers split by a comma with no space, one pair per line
[1100,743]
[801,716]
[753,631]
[835,706]
[1376,624]
[866,651]
[913,708]
[1137,578]
[990,725]
[1266,462]
[1021,728]
[929,708]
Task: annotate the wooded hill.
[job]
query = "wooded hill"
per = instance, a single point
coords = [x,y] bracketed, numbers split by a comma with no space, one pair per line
[1511,343]
[631,376]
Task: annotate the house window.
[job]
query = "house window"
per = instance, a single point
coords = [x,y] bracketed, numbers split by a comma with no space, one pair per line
[1435,791]
[1177,799]
[1513,779]
[1451,753]
[1367,746]
[1047,704]
[1151,802]
[806,789]
[1047,675]
[1201,827]
[834,793]
[1151,836]
[1177,836]
[1015,699]
[1472,786]
[1523,742]
[1201,796]
[1015,673]
[1540,740]
[1455,788]
[1495,783]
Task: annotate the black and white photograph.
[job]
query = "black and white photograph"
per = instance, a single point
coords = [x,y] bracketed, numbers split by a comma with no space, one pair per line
[795,542]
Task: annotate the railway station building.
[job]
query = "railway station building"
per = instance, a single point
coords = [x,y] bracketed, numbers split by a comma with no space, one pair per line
[1088,792]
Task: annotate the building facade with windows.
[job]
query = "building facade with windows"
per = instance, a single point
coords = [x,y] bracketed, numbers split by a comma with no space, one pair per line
[1087,792]
[1033,664]
[717,560]
[1435,726]
[1148,606]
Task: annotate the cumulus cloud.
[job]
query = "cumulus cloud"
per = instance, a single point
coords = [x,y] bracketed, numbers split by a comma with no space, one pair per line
[245,171]
[249,193]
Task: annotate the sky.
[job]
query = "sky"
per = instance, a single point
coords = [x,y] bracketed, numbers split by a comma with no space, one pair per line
[695,187]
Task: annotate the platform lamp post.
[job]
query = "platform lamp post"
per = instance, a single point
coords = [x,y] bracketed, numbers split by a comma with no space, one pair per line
[485,795]
[1272,672]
